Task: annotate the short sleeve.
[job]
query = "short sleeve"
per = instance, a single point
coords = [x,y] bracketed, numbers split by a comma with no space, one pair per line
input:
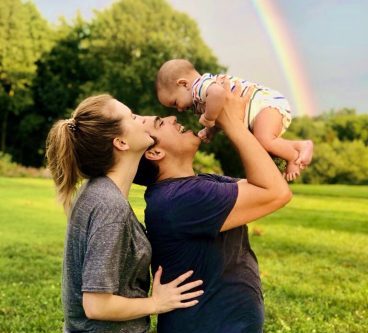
[105,256]
[201,207]
[199,91]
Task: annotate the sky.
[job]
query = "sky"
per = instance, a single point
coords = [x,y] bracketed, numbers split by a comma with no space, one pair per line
[327,39]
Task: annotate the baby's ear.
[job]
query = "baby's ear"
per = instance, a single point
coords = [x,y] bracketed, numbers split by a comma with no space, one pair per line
[182,82]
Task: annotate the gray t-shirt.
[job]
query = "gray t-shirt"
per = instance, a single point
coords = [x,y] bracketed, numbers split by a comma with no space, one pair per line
[106,251]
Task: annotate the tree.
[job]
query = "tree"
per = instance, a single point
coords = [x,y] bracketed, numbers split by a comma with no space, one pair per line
[24,35]
[338,163]
[349,127]
[61,72]
[118,52]
[131,40]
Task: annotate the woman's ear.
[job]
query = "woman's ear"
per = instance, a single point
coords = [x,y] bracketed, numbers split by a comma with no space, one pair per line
[182,82]
[120,144]
[154,154]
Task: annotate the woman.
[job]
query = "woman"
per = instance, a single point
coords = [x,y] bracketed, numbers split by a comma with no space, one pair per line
[107,254]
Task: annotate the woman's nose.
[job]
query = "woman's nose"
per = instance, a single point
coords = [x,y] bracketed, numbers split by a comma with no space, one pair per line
[173,119]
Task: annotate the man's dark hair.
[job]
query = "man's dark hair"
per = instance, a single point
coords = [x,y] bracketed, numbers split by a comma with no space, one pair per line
[147,172]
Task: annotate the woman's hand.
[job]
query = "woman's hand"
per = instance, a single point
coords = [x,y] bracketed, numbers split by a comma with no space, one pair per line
[170,296]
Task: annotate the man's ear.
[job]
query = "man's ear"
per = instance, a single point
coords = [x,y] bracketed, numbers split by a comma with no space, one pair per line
[120,144]
[154,154]
[183,83]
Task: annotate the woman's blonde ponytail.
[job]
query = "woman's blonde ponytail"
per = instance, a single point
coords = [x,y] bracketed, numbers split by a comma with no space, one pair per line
[81,147]
[62,161]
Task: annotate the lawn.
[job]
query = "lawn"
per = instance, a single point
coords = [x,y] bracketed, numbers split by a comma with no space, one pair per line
[313,257]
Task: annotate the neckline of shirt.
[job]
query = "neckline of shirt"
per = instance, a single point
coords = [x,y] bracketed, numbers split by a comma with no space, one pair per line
[173,179]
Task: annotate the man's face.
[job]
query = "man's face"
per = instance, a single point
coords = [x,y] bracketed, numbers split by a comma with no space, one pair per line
[171,135]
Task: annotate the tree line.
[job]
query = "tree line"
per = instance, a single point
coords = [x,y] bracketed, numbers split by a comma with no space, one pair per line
[45,71]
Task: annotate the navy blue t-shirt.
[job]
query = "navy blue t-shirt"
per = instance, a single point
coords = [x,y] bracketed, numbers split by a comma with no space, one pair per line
[183,218]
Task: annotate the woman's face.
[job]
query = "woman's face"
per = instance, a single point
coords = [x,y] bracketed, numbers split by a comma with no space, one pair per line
[134,131]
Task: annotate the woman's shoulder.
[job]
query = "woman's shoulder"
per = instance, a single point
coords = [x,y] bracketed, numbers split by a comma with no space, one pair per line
[98,204]
[101,192]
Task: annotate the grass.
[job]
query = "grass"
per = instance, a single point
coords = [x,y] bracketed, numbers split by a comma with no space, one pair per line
[313,257]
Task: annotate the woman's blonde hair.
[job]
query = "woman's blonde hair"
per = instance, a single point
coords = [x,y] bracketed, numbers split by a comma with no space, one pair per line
[81,147]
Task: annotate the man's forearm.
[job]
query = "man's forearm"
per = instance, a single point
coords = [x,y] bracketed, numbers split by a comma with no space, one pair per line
[258,165]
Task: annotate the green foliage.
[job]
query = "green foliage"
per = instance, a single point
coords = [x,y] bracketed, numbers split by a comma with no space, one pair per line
[118,52]
[349,127]
[45,72]
[310,256]
[224,151]
[56,88]
[341,147]
[6,163]
[8,168]
[24,36]
[206,163]
[339,162]
[131,40]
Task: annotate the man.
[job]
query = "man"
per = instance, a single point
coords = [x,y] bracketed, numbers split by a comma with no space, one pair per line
[199,222]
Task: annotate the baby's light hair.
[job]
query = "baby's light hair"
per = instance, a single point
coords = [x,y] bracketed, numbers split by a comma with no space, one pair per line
[172,70]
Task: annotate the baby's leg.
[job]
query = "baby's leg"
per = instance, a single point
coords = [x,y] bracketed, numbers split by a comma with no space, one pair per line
[267,128]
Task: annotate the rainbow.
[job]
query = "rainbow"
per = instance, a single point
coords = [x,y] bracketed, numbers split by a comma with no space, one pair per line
[288,57]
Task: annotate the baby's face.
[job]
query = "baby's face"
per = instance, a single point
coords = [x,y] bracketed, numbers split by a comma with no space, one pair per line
[179,98]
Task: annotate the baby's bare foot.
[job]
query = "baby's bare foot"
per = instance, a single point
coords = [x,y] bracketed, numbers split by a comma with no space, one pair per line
[292,171]
[306,153]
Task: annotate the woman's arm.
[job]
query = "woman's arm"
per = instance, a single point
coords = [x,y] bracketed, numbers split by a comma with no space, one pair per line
[265,189]
[165,297]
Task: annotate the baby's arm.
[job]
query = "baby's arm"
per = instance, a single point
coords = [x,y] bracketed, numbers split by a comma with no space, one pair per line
[214,102]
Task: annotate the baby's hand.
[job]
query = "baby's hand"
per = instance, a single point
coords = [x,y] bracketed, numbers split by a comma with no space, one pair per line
[205,122]
[207,134]
[203,135]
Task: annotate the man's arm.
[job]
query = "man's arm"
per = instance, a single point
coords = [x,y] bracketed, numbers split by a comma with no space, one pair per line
[265,189]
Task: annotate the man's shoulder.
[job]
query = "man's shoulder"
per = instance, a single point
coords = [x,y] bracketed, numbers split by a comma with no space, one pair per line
[218,178]
[167,191]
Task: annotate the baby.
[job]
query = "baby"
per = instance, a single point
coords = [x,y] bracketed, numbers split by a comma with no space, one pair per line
[268,115]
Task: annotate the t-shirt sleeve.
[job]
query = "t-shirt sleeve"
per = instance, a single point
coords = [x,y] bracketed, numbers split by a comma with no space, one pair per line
[105,257]
[200,208]
[199,91]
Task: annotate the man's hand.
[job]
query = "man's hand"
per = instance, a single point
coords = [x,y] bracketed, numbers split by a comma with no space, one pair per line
[235,104]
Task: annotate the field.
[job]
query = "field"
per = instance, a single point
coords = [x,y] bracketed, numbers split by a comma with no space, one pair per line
[313,257]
